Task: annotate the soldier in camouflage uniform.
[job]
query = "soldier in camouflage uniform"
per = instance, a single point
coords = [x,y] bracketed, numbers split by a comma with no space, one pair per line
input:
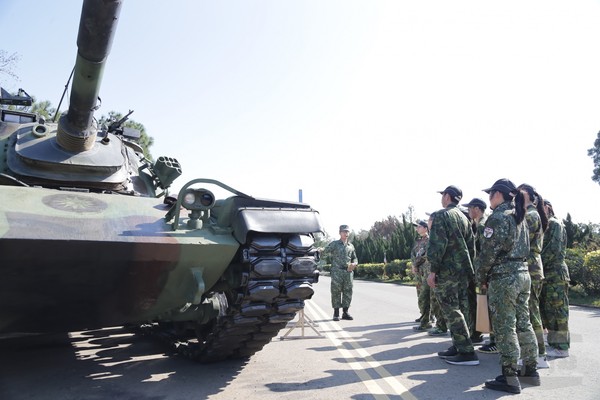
[537,221]
[555,293]
[450,250]
[477,209]
[440,328]
[420,267]
[343,262]
[501,268]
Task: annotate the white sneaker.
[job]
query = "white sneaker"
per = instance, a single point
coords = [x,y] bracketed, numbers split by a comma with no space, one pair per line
[556,353]
[542,362]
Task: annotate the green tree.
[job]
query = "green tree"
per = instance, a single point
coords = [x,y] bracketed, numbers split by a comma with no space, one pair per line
[145,141]
[594,152]
[582,236]
[391,237]
[43,109]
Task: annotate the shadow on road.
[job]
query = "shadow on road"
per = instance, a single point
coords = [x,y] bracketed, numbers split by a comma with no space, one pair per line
[104,364]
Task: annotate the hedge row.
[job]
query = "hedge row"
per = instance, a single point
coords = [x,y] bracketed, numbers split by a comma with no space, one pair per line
[584,269]
[396,269]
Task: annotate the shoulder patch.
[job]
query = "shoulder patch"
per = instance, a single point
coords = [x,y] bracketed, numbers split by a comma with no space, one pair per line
[488,232]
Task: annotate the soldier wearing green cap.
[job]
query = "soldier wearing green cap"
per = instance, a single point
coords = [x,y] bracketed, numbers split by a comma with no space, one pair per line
[420,267]
[343,262]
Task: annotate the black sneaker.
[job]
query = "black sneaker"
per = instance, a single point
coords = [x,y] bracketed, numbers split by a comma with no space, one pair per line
[463,359]
[347,316]
[489,348]
[503,383]
[451,352]
[418,319]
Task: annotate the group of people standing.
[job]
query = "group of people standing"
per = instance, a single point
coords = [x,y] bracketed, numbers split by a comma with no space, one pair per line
[517,256]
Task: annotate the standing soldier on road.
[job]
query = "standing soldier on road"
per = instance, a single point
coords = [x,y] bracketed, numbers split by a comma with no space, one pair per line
[343,262]
[477,209]
[502,269]
[450,250]
[537,222]
[440,328]
[420,267]
[555,292]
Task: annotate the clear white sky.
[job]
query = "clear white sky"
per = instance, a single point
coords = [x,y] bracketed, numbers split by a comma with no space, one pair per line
[367,106]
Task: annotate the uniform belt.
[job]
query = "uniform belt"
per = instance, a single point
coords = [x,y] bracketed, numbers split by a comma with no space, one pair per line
[516,259]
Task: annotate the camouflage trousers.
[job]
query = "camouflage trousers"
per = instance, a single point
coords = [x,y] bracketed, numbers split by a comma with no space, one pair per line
[554,303]
[341,287]
[451,294]
[472,292]
[534,314]
[424,299]
[419,286]
[429,303]
[508,298]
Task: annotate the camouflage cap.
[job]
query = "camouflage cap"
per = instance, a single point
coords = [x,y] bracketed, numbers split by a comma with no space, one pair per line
[502,185]
[344,228]
[476,202]
[453,191]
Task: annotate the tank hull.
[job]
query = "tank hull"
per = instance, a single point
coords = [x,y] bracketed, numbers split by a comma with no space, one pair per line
[85,260]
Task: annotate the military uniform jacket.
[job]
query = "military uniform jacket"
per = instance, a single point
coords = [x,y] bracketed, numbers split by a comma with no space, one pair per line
[451,243]
[536,238]
[479,234]
[505,245]
[418,254]
[554,251]
[341,254]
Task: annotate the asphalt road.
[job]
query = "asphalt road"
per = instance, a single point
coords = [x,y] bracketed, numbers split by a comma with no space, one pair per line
[376,356]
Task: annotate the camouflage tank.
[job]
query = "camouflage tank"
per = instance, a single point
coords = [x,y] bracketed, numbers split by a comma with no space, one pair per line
[89,238]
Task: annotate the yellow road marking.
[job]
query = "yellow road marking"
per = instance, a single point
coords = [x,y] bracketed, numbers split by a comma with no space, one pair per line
[339,337]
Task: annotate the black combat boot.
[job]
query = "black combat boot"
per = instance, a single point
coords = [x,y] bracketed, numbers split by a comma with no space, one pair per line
[345,315]
[336,314]
[528,375]
[507,382]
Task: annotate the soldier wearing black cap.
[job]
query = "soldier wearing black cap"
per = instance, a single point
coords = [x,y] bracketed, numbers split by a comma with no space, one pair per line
[502,270]
[476,210]
[537,222]
[450,251]
[343,262]
[554,301]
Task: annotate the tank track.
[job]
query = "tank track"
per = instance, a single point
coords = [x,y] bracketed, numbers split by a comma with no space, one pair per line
[277,273]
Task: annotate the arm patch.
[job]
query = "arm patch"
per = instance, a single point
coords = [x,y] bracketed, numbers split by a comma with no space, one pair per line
[488,232]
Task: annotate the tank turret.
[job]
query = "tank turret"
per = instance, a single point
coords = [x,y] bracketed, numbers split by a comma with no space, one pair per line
[76,129]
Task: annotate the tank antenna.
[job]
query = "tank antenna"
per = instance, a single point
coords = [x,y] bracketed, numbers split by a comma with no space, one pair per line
[63,95]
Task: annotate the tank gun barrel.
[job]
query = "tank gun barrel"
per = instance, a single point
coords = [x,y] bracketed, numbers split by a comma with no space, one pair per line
[77,131]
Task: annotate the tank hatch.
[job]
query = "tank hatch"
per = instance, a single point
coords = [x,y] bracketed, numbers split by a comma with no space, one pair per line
[36,154]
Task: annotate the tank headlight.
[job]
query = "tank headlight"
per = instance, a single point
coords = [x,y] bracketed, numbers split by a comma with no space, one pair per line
[198,199]
[189,199]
